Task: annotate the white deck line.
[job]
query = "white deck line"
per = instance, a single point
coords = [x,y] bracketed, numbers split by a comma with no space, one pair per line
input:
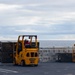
[7,71]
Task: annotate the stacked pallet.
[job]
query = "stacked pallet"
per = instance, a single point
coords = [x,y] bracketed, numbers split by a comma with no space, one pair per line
[63,57]
[6,52]
[55,54]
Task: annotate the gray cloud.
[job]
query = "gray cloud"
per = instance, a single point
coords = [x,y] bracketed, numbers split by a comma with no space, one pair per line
[42,17]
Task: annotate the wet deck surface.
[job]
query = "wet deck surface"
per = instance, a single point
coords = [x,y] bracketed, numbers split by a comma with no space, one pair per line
[41,69]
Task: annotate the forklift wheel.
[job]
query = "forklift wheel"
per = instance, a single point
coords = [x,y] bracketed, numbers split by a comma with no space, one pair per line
[22,63]
[14,62]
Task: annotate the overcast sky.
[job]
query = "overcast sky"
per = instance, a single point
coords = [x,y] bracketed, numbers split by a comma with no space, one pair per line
[48,19]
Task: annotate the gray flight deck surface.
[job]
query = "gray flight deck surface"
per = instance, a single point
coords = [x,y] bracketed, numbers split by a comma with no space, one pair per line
[42,69]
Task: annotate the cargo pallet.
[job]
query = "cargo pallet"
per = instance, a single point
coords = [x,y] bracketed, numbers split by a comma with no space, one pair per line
[6,52]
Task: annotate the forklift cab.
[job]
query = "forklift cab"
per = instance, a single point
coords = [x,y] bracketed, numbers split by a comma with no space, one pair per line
[27,41]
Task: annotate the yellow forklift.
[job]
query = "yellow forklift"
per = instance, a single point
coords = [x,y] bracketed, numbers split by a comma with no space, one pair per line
[26,53]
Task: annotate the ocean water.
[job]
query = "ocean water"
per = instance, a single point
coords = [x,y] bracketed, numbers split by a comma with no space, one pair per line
[51,43]
[57,43]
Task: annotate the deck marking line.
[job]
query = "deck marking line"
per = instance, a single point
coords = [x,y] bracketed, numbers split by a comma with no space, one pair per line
[8,71]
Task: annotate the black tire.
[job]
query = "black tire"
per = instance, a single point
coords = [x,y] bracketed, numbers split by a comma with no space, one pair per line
[36,65]
[14,63]
[22,63]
